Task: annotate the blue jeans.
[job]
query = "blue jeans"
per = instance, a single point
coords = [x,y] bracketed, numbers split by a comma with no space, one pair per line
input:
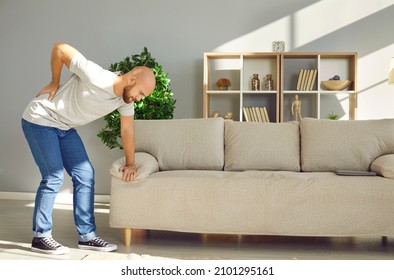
[54,149]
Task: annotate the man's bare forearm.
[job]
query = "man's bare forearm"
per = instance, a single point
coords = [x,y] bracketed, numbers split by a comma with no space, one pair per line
[56,64]
[127,133]
[62,53]
[128,149]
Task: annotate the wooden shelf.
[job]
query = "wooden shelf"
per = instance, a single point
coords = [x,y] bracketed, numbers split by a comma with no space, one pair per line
[223,92]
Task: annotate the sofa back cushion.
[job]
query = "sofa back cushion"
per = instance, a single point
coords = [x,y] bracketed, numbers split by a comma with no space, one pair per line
[181,144]
[344,145]
[262,146]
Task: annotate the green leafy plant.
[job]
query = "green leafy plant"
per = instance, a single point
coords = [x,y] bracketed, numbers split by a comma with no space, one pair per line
[332,116]
[160,104]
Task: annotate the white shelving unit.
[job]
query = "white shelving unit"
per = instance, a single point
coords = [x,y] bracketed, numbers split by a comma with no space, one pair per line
[284,67]
[239,68]
[319,102]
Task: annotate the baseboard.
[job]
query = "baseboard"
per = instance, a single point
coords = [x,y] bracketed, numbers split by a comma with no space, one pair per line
[61,197]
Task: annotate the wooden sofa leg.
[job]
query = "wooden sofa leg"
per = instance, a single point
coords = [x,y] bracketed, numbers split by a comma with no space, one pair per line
[384,240]
[127,233]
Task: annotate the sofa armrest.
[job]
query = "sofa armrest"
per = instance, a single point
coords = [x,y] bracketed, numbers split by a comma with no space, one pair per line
[146,165]
[384,166]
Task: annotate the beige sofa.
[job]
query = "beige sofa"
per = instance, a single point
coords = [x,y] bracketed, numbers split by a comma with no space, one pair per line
[216,176]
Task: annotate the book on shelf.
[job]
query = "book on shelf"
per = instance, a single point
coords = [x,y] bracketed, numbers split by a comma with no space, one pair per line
[299,81]
[266,114]
[262,114]
[313,79]
[303,80]
[246,114]
[255,114]
[306,79]
[254,118]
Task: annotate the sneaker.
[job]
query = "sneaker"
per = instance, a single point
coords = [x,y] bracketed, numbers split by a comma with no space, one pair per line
[97,244]
[48,245]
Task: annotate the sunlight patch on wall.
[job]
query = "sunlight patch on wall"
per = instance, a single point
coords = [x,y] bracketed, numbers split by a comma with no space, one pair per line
[306,25]
[376,96]
[327,16]
[380,62]
[260,40]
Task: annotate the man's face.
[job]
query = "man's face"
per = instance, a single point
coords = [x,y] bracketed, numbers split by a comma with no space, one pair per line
[133,93]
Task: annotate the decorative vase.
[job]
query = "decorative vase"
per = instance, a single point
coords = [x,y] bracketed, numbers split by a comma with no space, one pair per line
[223,83]
[223,87]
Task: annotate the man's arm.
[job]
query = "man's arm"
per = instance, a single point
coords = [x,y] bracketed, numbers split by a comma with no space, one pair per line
[62,53]
[127,133]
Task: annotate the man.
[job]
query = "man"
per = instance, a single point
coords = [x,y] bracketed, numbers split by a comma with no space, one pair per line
[49,123]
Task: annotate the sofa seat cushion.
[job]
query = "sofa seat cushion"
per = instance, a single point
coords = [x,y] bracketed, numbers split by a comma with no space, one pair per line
[182,143]
[255,202]
[262,146]
[344,145]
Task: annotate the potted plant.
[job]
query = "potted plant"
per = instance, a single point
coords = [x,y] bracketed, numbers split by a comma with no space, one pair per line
[158,105]
[332,116]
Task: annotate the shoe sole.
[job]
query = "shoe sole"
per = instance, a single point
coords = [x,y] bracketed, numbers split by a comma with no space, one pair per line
[99,249]
[51,252]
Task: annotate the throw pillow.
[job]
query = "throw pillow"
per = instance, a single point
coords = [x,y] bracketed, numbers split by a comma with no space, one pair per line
[146,165]
[384,166]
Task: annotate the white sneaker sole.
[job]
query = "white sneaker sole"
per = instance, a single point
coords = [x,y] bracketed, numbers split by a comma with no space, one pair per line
[99,249]
[62,251]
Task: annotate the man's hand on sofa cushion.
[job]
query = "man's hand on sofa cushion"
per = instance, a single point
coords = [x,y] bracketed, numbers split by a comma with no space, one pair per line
[129,172]
[146,164]
[384,166]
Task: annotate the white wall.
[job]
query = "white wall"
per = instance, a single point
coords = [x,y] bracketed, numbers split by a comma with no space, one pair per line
[177,33]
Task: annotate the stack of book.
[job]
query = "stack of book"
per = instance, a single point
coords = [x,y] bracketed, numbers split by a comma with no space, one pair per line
[256,114]
[306,79]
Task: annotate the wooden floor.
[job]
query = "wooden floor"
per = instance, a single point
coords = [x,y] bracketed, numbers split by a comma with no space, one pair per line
[15,238]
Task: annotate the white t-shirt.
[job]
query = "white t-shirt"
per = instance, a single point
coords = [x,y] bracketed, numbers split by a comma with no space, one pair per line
[86,96]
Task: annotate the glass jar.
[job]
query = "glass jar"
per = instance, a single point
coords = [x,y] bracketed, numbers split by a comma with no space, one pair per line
[269,82]
[255,82]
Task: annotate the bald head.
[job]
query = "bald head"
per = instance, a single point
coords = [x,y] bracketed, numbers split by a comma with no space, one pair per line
[144,76]
[138,83]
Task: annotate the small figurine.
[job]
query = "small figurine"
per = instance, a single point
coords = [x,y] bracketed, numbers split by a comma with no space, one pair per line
[296,108]
[215,114]
[335,78]
[228,116]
